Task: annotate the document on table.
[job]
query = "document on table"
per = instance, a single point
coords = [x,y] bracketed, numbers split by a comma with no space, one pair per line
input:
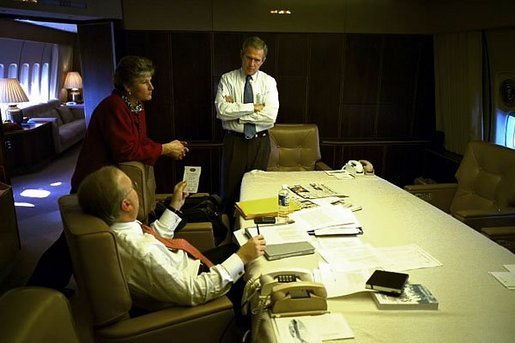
[325,217]
[314,191]
[507,279]
[312,329]
[355,258]
[192,177]
[343,202]
[406,257]
[340,174]
[359,257]
[338,284]
[278,234]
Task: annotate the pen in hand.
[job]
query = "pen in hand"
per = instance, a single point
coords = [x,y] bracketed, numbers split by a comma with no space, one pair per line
[257,228]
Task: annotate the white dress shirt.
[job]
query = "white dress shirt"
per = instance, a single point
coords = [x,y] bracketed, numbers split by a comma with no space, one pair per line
[235,114]
[155,273]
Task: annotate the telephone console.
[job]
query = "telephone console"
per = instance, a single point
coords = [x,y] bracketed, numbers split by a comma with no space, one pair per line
[361,167]
[298,298]
[273,278]
[293,292]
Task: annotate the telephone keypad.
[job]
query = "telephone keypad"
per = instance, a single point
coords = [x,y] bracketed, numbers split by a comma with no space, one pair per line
[285,278]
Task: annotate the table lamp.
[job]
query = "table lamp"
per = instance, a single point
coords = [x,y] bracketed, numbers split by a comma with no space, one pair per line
[73,83]
[12,93]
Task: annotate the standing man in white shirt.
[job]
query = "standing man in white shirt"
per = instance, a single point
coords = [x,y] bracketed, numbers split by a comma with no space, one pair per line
[247,103]
[156,274]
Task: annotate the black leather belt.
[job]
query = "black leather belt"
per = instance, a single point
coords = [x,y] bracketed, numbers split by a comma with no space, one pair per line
[263,133]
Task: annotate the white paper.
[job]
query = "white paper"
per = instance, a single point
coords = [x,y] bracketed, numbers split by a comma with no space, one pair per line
[338,284]
[406,257]
[507,279]
[325,216]
[510,267]
[313,191]
[328,326]
[355,258]
[339,174]
[278,234]
[192,177]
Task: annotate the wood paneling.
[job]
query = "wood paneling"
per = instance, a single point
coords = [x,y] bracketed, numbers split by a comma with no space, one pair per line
[98,63]
[370,94]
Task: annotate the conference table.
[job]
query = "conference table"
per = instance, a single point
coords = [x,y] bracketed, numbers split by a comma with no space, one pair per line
[473,305]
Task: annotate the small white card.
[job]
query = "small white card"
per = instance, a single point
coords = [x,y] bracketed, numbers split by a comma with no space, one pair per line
[507,279]
[192,177]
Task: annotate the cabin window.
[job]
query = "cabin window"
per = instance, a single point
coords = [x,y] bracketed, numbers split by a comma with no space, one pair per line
[13,71]
[510,130]
[24,78]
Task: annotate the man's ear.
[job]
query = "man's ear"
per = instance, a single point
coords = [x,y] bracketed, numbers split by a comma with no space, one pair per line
[125,205]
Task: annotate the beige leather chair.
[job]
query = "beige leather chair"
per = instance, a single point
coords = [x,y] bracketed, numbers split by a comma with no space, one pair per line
[199,234]
[36,314]
[295,147]
[484,196]
[103,287]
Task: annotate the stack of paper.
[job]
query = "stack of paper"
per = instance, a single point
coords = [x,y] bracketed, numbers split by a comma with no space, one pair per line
[328,220]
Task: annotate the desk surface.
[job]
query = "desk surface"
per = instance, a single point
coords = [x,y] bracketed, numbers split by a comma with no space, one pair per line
[473,305]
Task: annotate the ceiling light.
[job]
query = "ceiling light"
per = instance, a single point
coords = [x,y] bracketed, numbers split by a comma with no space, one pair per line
[280,11]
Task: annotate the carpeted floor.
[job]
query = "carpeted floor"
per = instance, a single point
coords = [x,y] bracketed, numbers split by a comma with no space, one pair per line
[39,221]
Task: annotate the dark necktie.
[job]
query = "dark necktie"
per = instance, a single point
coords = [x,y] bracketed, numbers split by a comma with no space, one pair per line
[179,244]
[248,97]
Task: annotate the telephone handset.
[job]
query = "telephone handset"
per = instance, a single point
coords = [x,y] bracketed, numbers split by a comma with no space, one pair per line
[298,298]
[273,278]
[361,167]
[368,168]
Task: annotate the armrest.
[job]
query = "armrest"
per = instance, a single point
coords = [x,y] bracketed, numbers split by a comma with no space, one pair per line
[478,219]
[55,128]
[202,323]
[199,234]
[78,112]
[438,194]
[42,120]
[319,165]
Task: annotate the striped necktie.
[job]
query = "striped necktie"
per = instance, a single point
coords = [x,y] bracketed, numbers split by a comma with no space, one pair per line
[179,244]
[248,97]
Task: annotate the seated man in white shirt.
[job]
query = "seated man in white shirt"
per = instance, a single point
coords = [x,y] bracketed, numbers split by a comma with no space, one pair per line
[155,273]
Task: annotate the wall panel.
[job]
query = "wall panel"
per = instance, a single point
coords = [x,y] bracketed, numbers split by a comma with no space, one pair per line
[369,94]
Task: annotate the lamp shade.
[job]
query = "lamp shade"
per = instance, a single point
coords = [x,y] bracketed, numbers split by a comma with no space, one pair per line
[11,91]
[73,80]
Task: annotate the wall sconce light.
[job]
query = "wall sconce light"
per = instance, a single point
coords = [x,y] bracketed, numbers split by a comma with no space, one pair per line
[11,92]
[73,83]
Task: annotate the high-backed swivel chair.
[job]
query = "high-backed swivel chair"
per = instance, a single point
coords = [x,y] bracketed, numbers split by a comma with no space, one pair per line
[200,234]
[295,147]
[484,196]
[103,287]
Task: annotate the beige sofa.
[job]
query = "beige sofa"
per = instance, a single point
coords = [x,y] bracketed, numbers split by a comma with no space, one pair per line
[68,122]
